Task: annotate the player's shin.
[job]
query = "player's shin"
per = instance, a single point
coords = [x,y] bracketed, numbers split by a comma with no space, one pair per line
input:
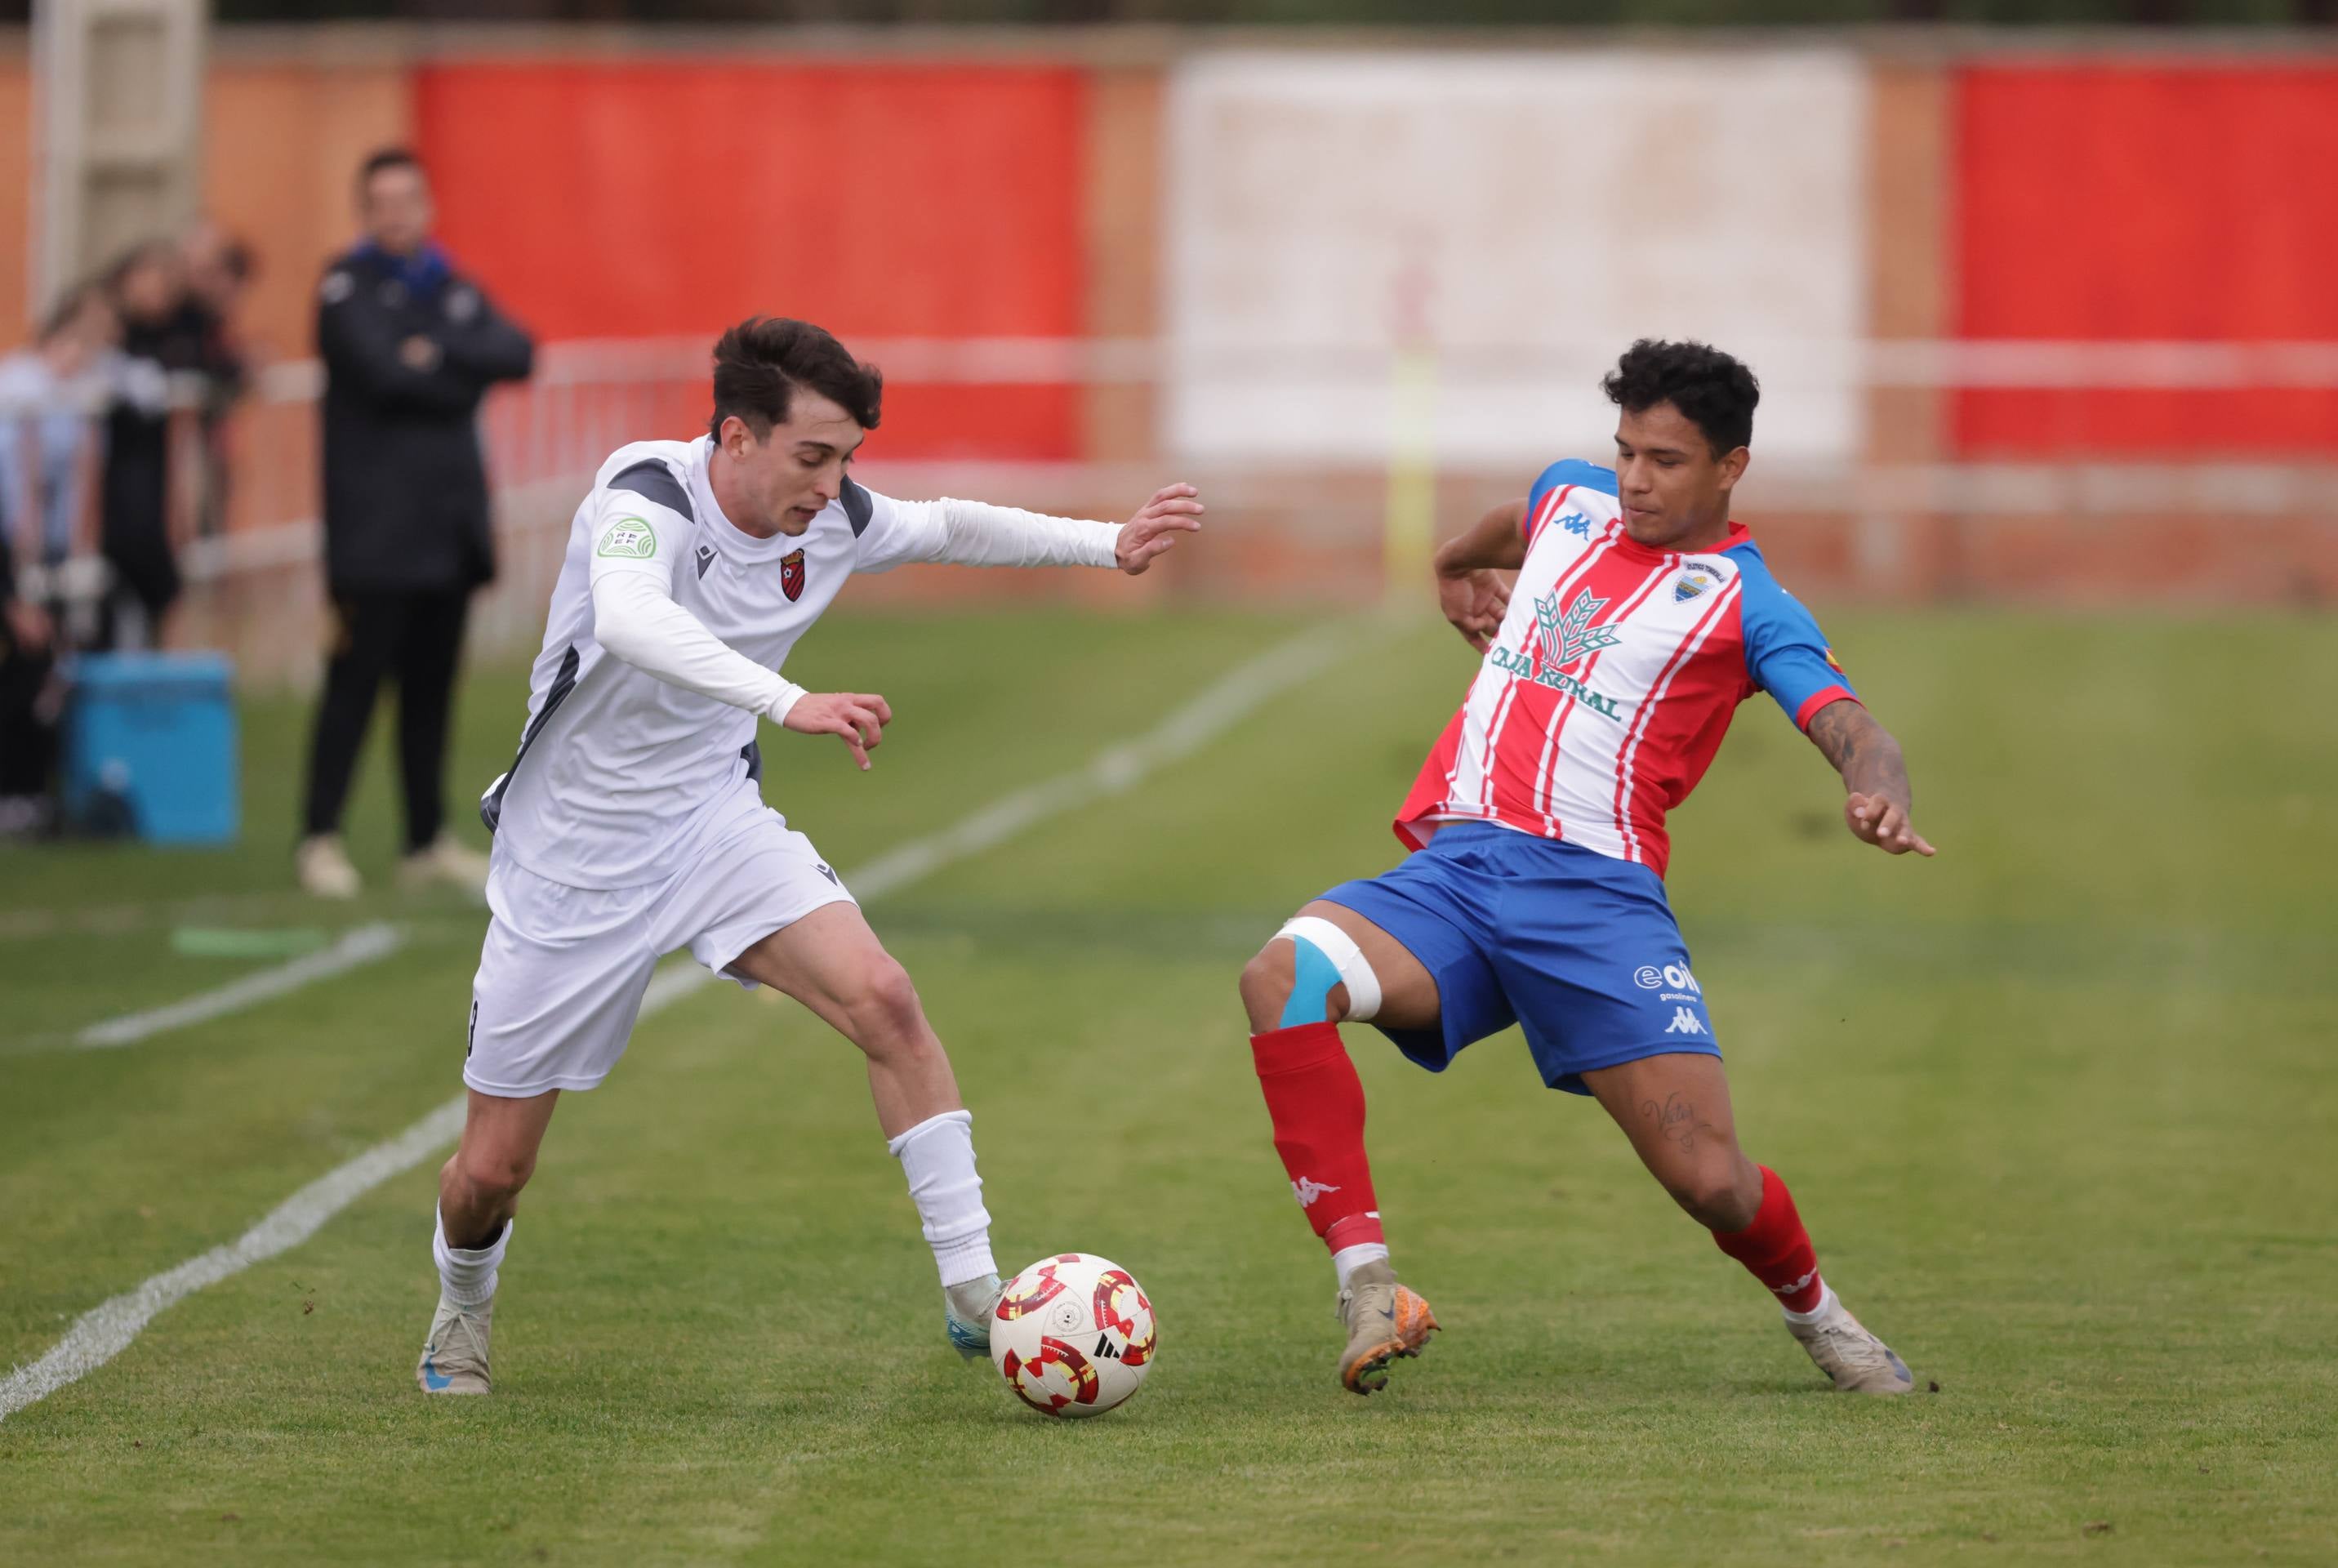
[1777,1249]
[937,1155]
[1317,1104]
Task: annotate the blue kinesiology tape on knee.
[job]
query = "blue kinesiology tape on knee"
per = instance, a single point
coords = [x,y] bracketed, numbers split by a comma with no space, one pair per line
[1312,977]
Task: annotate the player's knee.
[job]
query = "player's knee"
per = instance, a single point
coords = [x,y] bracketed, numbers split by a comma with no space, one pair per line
[1715,1194]
[886,1015]
[1266,985]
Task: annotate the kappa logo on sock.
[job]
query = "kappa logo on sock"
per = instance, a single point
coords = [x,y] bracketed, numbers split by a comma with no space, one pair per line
[1797,1287]
[1307,1191]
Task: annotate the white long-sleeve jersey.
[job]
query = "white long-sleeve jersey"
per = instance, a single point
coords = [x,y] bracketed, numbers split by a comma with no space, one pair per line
[667,630]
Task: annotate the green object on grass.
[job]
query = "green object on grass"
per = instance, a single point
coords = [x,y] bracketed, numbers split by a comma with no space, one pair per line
[226,942]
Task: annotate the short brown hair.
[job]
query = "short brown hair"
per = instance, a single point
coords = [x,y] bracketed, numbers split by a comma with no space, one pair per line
[759,363]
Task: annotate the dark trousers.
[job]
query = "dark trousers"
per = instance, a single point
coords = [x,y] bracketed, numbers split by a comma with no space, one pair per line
[416,638]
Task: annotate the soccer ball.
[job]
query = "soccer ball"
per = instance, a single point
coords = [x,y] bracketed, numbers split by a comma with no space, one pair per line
[1074,1334]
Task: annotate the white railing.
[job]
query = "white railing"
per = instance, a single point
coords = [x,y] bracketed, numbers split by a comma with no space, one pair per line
[1321,526]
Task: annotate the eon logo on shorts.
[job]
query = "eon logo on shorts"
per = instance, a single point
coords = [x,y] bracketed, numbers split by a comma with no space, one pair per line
[1648,977]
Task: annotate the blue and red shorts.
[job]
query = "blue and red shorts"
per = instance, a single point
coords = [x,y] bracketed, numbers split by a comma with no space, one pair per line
[1578,949]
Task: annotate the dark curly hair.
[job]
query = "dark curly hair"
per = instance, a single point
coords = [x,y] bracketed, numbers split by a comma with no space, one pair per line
[759,363]
[1713,391]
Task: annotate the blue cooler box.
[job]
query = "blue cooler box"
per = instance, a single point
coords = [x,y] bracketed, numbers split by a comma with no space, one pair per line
[154,733]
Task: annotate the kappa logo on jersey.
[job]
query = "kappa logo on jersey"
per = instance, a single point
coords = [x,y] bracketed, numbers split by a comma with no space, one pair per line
[1569,636]
[1578,524]
[1307,1189]
[1685,1022]
[628,539]
[791,574]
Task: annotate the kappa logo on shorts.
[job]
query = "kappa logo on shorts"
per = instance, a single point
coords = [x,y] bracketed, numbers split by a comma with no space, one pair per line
[791,574]
[1685,1022]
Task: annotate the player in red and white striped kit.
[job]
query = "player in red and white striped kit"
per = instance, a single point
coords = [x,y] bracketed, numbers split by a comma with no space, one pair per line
[1638,618]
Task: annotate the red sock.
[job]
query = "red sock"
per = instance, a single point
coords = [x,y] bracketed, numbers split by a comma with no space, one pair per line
[1777,1249]
[1317,1103]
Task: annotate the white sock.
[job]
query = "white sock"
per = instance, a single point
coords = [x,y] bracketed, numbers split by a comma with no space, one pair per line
[1827,1304]
[937,1157]
[467,1279]
[1347,1260]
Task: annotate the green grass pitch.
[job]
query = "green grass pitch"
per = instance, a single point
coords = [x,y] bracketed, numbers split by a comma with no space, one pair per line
[2059,1107]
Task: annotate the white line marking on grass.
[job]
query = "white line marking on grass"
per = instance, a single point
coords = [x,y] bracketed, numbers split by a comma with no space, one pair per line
[359,947]
[105,1331]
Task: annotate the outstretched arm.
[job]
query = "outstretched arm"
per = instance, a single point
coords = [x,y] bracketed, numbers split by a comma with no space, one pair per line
[1876,809]
[976,533]
[1473,597]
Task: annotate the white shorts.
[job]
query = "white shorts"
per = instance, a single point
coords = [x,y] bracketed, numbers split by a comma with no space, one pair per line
[562,974]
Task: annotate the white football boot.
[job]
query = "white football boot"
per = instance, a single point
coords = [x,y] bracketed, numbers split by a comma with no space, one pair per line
[966,1310]
[1384,1320]
[1844,1350]
[455,1358]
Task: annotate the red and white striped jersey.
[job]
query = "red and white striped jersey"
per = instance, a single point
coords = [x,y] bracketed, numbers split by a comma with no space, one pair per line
[1614,677]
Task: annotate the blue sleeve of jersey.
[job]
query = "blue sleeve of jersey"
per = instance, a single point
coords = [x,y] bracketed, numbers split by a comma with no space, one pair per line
[1567,471]
[1786,654]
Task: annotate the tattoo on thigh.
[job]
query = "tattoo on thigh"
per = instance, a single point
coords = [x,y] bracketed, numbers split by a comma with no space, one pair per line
[1676,1120]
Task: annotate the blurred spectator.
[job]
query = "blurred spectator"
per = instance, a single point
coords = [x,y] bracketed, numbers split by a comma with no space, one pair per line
[410,346]
[49,395]
[218,270]
[139,529]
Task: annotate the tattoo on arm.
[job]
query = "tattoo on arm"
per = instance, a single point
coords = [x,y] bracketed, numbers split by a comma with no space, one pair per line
[1861,750]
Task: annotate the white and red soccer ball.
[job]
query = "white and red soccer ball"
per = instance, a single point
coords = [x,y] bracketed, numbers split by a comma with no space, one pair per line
[1074,1334]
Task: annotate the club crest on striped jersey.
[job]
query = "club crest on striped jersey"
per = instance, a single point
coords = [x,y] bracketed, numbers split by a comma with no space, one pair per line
[791,574]
[1693,582]
[1569,635]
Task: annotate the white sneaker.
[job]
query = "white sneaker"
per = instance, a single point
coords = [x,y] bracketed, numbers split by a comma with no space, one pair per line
[445,862]
[1846,1351]
[455,1357]
[324,868]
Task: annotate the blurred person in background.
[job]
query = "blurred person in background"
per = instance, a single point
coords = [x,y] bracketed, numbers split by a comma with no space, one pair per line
[410,346]
[140,530]
[50,394]
[218,270]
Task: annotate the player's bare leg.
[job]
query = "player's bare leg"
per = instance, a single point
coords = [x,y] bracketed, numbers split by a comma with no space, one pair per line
[832,962]
[478,1190]
[1674,1108]
[1329,964]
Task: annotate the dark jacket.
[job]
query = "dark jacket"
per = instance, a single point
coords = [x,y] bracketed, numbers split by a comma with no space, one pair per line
[406,485]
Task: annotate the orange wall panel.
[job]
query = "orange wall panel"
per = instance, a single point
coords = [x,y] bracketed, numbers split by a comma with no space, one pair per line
[2146,203]
[16,197]
[880,200]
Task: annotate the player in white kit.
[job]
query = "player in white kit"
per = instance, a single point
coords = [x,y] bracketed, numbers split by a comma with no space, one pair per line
[631,823]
